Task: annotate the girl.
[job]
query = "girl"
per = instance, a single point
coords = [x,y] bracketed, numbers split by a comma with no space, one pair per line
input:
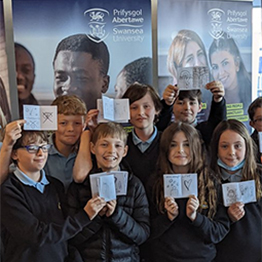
[185,229]
[233,160]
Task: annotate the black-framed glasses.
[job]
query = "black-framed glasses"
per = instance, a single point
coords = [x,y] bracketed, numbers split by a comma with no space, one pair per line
[32,149]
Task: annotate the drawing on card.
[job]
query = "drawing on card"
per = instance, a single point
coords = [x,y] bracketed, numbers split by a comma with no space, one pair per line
[187,183]
[31,111]
[232,195]
[113,110]
[244,191]
[180,185]
[47,116]
[173,187]
[193,77]
[185,79]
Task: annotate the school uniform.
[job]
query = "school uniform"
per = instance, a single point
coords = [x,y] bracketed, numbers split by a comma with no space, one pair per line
[205,128]
[34,227]
[243,242]
[59,166]
[182,240]
[143,162]
[115,238]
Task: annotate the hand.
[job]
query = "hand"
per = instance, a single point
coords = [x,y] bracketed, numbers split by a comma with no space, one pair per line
[103,211]
[170,94]
[171,208]
[91,119]
[217,90]
[191,207]
[93,206]
[13,132]
[111,206]
[236,211]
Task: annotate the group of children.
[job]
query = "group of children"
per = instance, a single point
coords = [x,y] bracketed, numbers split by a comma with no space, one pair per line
[49,213]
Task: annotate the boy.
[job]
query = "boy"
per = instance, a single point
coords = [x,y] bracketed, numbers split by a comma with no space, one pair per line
[123,224]
[71,111]
[255,116]
[70,124]
[187,104]
[34,227]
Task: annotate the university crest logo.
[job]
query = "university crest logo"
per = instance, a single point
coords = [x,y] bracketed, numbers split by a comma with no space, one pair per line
[216,16]
[97,21]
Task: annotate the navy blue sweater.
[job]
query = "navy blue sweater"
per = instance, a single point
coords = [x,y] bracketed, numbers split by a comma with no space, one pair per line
[34,227]
[244,242]
[182,240]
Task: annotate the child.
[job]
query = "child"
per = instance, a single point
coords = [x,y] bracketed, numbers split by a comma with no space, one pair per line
[233,160]
[255,116]
[185,229]
[123,224]
[34,227]
[186,104]
[143,141]
[71,112]
[12,132]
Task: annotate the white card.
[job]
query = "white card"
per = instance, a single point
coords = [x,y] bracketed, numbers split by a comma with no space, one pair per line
[260,141]
[190,78]
[244,192]
[106,187]
[111,109]
[120,179]
[40,117]
[180,185]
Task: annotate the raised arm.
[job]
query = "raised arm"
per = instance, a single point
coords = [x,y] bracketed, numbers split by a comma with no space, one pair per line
[12,133]
[83,162]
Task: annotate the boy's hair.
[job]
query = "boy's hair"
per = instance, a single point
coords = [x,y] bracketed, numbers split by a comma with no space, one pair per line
[206,180]
[109,129]
[190,94]
[250,167]
[29,137]
[137,91]
[253,106]
[70,105]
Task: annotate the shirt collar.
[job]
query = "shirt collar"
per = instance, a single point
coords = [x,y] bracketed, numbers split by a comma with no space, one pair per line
[137,140]
[236,177]
[40,186]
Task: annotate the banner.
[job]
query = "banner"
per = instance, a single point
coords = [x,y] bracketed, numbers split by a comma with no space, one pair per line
[216,34]
[4,84]
[56,33]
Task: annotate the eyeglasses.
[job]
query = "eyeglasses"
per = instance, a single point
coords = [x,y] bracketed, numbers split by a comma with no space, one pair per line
[259,120]
[32,149]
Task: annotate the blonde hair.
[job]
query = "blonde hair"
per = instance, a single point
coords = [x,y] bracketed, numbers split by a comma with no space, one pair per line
[207,192]
[177,49]
[70,105]
[109,129]
[249,171]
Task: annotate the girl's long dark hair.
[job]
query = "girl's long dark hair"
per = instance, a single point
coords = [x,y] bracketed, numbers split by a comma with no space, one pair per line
[207,192]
